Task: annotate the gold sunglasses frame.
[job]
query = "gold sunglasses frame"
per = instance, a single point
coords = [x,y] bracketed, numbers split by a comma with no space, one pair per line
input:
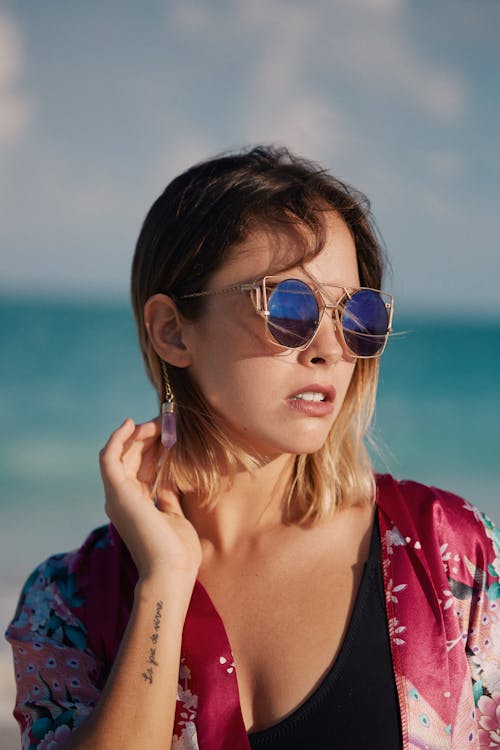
[259,295]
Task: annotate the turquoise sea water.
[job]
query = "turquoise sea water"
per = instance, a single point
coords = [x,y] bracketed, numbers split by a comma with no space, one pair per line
[70,373]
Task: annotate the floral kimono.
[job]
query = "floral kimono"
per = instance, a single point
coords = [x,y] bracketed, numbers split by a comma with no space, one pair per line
[441,573]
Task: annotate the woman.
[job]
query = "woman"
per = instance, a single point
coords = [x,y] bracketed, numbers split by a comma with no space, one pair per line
[259,586]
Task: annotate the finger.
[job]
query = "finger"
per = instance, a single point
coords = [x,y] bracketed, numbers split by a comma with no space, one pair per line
[117,438]
[146,464]
[149,429]
[141,445]
[144,433]
[110,456]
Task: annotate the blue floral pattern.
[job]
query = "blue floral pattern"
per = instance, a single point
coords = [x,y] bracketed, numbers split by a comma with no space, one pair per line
[56,674]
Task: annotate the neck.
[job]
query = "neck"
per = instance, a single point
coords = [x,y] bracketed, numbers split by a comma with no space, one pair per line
[247,505]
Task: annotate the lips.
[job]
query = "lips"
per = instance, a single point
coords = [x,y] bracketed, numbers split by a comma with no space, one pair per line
[312,400]
[314,393]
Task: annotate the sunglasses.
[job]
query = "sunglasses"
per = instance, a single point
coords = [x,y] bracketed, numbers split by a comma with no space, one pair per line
[293,311]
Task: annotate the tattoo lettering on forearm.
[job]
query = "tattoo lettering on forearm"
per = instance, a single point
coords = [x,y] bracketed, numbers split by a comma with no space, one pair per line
[147,676]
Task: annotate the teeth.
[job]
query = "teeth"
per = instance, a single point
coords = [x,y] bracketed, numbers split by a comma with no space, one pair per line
[310,396]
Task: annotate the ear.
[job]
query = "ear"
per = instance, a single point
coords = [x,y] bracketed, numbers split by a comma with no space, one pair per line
[166,326]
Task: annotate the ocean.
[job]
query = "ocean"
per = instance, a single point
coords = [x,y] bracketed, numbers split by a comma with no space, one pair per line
[70,373]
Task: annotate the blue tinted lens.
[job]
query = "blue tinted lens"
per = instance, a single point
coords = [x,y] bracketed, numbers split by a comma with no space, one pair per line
[365,320]
[293,313]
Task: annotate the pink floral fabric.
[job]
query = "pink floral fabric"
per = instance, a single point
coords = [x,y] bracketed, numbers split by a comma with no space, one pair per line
[441,574]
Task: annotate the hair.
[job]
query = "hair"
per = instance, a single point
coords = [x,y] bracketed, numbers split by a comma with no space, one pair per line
[186,236]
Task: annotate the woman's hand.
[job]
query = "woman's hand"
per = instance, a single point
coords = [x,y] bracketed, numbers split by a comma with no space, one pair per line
[135,711]
[162,542]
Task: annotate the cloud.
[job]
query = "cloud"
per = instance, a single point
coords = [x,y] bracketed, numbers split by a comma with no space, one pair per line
[15,108]
[271,98]
[296,67]
[355,84]
[189,17]
[184,145]
[444,164]
[311,127]
[375,46]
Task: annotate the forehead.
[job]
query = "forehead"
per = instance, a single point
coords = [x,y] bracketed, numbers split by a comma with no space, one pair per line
[278,250]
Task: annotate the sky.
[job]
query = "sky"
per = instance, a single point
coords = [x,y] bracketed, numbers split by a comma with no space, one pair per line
[102,104]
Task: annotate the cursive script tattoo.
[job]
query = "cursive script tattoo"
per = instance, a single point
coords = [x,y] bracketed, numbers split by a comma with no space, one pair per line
[147,676]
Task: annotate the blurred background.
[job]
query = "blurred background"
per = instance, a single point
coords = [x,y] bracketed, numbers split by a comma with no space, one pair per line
[101,104]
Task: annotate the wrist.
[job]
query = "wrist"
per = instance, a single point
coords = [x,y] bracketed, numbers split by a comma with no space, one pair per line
[175,592]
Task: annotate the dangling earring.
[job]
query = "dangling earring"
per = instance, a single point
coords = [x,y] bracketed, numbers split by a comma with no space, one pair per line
[168,419]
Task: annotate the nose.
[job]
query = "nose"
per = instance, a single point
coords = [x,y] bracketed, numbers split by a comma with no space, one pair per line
[327,347]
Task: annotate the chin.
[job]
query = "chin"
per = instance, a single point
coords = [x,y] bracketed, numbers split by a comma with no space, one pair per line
[299,445]
[311,447]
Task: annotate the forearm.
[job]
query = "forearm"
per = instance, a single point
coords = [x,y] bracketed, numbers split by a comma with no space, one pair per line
[137,707]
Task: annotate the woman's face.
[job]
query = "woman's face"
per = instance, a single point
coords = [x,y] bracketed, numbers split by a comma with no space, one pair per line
[255,386]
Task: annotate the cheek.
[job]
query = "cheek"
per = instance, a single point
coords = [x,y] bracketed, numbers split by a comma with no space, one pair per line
[234,384]
[234,326]
[349,381]
[216,365]
[228,353]
[343,382]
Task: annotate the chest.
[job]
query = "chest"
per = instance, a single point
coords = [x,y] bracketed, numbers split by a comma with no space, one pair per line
[286,620]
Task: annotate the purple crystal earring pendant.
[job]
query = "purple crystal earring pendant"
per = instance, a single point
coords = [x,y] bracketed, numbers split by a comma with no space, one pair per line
[168,418]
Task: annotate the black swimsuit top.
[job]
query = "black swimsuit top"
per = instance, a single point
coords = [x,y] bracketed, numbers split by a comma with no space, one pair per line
[356,706]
